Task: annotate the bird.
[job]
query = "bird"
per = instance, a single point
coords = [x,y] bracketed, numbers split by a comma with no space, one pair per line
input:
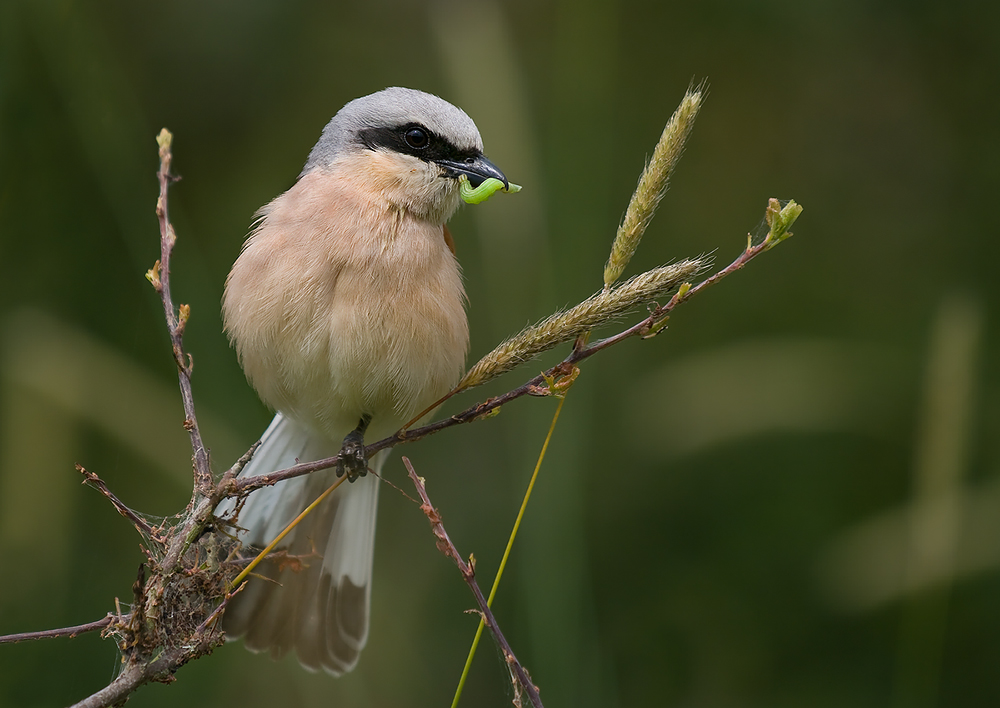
[346,308]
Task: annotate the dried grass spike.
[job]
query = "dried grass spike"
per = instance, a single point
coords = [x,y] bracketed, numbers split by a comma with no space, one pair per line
[601,308]
[652,185]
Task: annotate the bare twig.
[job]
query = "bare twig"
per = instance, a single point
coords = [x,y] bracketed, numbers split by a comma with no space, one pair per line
[141,525]
[62,632]
[159,276]
[175,608]
[445,545]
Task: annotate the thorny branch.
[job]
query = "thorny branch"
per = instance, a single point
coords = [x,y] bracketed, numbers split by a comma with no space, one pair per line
[444,543]
[159,276]
[175,611]
[183,587]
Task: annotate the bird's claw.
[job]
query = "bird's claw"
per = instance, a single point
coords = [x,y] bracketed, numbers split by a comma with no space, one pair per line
[352,460]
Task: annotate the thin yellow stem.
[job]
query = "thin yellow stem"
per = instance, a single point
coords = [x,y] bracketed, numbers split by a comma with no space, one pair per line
[270,547]
[506,553]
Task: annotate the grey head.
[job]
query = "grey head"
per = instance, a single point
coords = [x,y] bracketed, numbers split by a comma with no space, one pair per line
[409,122]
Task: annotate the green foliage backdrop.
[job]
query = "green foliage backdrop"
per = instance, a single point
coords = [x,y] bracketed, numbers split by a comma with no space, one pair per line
[788,498]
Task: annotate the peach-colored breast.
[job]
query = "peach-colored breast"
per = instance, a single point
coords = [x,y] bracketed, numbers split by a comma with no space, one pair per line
[342,304]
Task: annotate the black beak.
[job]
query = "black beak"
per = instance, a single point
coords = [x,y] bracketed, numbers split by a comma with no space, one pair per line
[477,168]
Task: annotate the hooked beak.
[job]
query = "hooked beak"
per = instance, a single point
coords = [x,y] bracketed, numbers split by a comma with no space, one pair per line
[478,169]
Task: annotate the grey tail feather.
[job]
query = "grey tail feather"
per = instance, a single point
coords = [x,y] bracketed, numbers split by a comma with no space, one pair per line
[315,598]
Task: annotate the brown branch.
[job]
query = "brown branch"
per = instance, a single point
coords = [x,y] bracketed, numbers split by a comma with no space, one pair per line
[116,692]
[177,320]
[535,386]
[134,675]
[445,545]
[174,609]
[63,631]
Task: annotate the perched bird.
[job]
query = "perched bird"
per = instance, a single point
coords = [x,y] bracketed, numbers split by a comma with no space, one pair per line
[347,311]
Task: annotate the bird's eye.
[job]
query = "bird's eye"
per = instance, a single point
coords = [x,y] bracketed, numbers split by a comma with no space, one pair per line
[416,138]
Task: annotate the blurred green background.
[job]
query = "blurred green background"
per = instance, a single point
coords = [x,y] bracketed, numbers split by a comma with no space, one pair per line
[791,497]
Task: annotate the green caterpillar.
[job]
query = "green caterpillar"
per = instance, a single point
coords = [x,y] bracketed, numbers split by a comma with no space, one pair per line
[484,191]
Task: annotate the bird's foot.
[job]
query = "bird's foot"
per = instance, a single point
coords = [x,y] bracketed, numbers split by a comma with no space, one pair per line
[352,460]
